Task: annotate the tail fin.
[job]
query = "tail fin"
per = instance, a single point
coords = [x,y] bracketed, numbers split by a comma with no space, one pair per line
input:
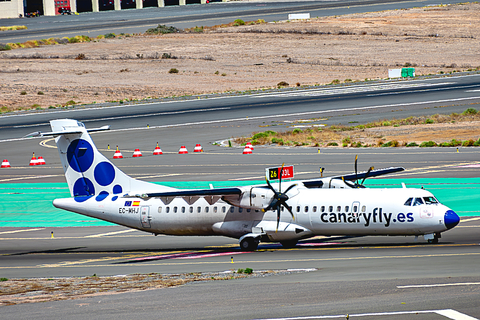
[87,171]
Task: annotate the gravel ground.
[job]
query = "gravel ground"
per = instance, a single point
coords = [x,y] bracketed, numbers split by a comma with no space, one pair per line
[319,51]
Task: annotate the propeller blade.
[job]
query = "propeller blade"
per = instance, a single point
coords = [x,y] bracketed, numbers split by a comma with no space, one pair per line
[290,210]
[366,175]
[270,186]
[291,187]
[278,218]
[280,178]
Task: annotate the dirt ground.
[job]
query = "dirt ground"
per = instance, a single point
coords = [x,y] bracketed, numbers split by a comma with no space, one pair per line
[357,46]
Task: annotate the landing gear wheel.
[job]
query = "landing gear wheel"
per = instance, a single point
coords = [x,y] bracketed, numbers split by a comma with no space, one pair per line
[435,238]
[248,244]
[289,244]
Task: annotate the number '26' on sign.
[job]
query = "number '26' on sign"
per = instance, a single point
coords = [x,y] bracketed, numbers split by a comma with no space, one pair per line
[274,173]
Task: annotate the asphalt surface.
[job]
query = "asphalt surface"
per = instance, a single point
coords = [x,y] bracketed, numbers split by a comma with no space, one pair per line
[138,21]
[350,276]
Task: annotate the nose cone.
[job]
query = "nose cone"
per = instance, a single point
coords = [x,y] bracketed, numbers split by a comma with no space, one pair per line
[451,219]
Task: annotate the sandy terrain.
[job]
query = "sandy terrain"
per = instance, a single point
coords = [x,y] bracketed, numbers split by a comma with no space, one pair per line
[356,47]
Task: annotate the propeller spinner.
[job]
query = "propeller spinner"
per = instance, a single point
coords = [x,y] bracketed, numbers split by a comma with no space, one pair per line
[280,198]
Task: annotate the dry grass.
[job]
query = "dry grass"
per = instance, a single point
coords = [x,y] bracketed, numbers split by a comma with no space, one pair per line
[13,28]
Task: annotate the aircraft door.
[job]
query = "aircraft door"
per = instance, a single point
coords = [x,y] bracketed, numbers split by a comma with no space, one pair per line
[145,216]
[355,208]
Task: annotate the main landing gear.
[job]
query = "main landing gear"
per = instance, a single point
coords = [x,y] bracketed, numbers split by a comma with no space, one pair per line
[435,238]
[249,244]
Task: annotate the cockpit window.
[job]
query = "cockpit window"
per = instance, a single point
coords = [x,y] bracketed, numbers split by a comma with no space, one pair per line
[418,202]
[430,200]
[408,202]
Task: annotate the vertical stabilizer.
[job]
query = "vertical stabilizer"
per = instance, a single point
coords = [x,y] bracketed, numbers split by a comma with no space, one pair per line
[87,171]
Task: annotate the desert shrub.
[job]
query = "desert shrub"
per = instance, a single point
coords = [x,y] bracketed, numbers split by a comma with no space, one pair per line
[346,140]
[468,143]
[297,131]
[238,22]
[248,270]
[260,135]
[40,93]
[335,81]
[162,29]
[429,121]
[23,93]
[109,35]
[469,111]
[173,70]
[412,144]
[332,144]
[282,84]
[477,143]
[80,56]
[5,47]
[428,144]
[386,144]
[278,141]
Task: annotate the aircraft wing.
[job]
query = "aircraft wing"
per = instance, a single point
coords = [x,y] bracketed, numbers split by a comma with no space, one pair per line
[317,183]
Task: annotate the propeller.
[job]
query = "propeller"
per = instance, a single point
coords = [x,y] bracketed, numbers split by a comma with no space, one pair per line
[280,198]
[356,184]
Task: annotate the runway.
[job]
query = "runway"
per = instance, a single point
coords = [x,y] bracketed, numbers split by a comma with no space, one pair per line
[353,275]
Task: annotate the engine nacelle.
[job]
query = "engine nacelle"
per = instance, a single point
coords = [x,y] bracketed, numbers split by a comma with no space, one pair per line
[251,198]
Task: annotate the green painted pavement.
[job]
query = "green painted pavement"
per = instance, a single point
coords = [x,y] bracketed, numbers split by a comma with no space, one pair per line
[30,204]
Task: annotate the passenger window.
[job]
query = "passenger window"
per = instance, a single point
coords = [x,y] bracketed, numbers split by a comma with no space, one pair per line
[364,208]
[330,209]
[191,209]
[232,209]
[298,208]
[183,209]
[248,210]
[322,208]
[418,202]
[206,209]
[215,209]
[199,209]
[314,209]
[430,200]
[346,208]
[168,209]
[306,209]
[224,209]
[408,203]
[159,209]
[339,208]
[240,210]
[174,209]
[355,209]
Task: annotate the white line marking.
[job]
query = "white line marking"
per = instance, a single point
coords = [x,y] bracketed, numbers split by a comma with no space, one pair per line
[23,230]
[439,285]
[449,313]
[452,314]
[109,233]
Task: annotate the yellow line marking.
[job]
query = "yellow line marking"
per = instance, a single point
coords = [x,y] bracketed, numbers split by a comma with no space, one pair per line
[109,233]
[227,261]
[23,230]
[43,143]
[468,220]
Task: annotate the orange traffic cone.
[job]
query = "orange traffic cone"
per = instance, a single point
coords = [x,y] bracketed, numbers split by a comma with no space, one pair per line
[41,161]
[137,153]
[249,144]
[247,150]
[34,160]
[183,150]
[157,151]
[198,148]
[117,154]
[5,164]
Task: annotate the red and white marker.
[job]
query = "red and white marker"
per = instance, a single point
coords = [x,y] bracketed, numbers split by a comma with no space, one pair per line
[137,153]
[157,151]
[6,164]
[34,160]
[198,148]
[247,150]
[183,150]
[117,154]
[249,144]
[41,161]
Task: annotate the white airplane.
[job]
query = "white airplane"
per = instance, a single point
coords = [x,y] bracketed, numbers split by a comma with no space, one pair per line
[325,206]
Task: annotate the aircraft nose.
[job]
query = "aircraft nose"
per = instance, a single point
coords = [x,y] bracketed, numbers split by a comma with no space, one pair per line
[451,219]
